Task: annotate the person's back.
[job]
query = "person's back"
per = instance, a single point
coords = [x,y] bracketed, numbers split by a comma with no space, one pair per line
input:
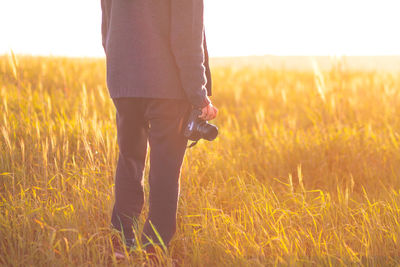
[155,49]
[157,65]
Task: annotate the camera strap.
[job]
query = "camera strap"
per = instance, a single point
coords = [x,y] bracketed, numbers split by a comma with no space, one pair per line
[193,144]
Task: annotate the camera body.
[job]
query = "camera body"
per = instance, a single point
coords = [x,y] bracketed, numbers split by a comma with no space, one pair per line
[198,128]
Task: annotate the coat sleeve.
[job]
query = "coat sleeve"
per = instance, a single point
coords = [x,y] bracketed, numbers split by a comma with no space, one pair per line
[105,20]
[187,33]
[207,66]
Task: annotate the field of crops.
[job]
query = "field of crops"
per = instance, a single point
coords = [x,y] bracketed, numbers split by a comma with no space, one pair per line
[306,170]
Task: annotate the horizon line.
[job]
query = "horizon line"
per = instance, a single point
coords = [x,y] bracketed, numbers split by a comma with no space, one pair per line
[212,57]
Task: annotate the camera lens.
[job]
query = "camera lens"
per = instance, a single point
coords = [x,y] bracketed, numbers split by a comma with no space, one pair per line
[208,131]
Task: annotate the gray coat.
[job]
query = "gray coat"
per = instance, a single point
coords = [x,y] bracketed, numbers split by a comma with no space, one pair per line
[156,49]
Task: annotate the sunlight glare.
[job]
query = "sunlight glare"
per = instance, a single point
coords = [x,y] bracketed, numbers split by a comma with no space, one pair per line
[234,27]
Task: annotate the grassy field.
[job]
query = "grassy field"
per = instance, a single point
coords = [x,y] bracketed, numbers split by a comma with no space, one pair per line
[306,170]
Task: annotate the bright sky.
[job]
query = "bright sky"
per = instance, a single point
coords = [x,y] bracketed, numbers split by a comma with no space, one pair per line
[234,27]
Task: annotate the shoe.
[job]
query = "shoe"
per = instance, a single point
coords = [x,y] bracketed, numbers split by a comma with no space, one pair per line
[151,255]
[122,249]
[154,260]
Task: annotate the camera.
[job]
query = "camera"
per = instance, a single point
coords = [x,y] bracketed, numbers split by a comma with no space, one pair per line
[198,128]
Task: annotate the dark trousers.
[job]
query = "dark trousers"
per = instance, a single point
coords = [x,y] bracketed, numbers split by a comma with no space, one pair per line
[157,122]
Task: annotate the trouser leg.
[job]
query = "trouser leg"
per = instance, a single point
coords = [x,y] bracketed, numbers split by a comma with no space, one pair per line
[167,149]
[132,131]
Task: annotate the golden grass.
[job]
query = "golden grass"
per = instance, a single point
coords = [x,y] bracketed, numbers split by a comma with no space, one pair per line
[306,169]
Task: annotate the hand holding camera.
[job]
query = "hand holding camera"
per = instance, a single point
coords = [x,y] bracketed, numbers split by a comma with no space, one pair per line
[198,128]
[209,112]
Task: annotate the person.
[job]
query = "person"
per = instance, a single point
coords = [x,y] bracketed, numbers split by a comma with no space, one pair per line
[157,71]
